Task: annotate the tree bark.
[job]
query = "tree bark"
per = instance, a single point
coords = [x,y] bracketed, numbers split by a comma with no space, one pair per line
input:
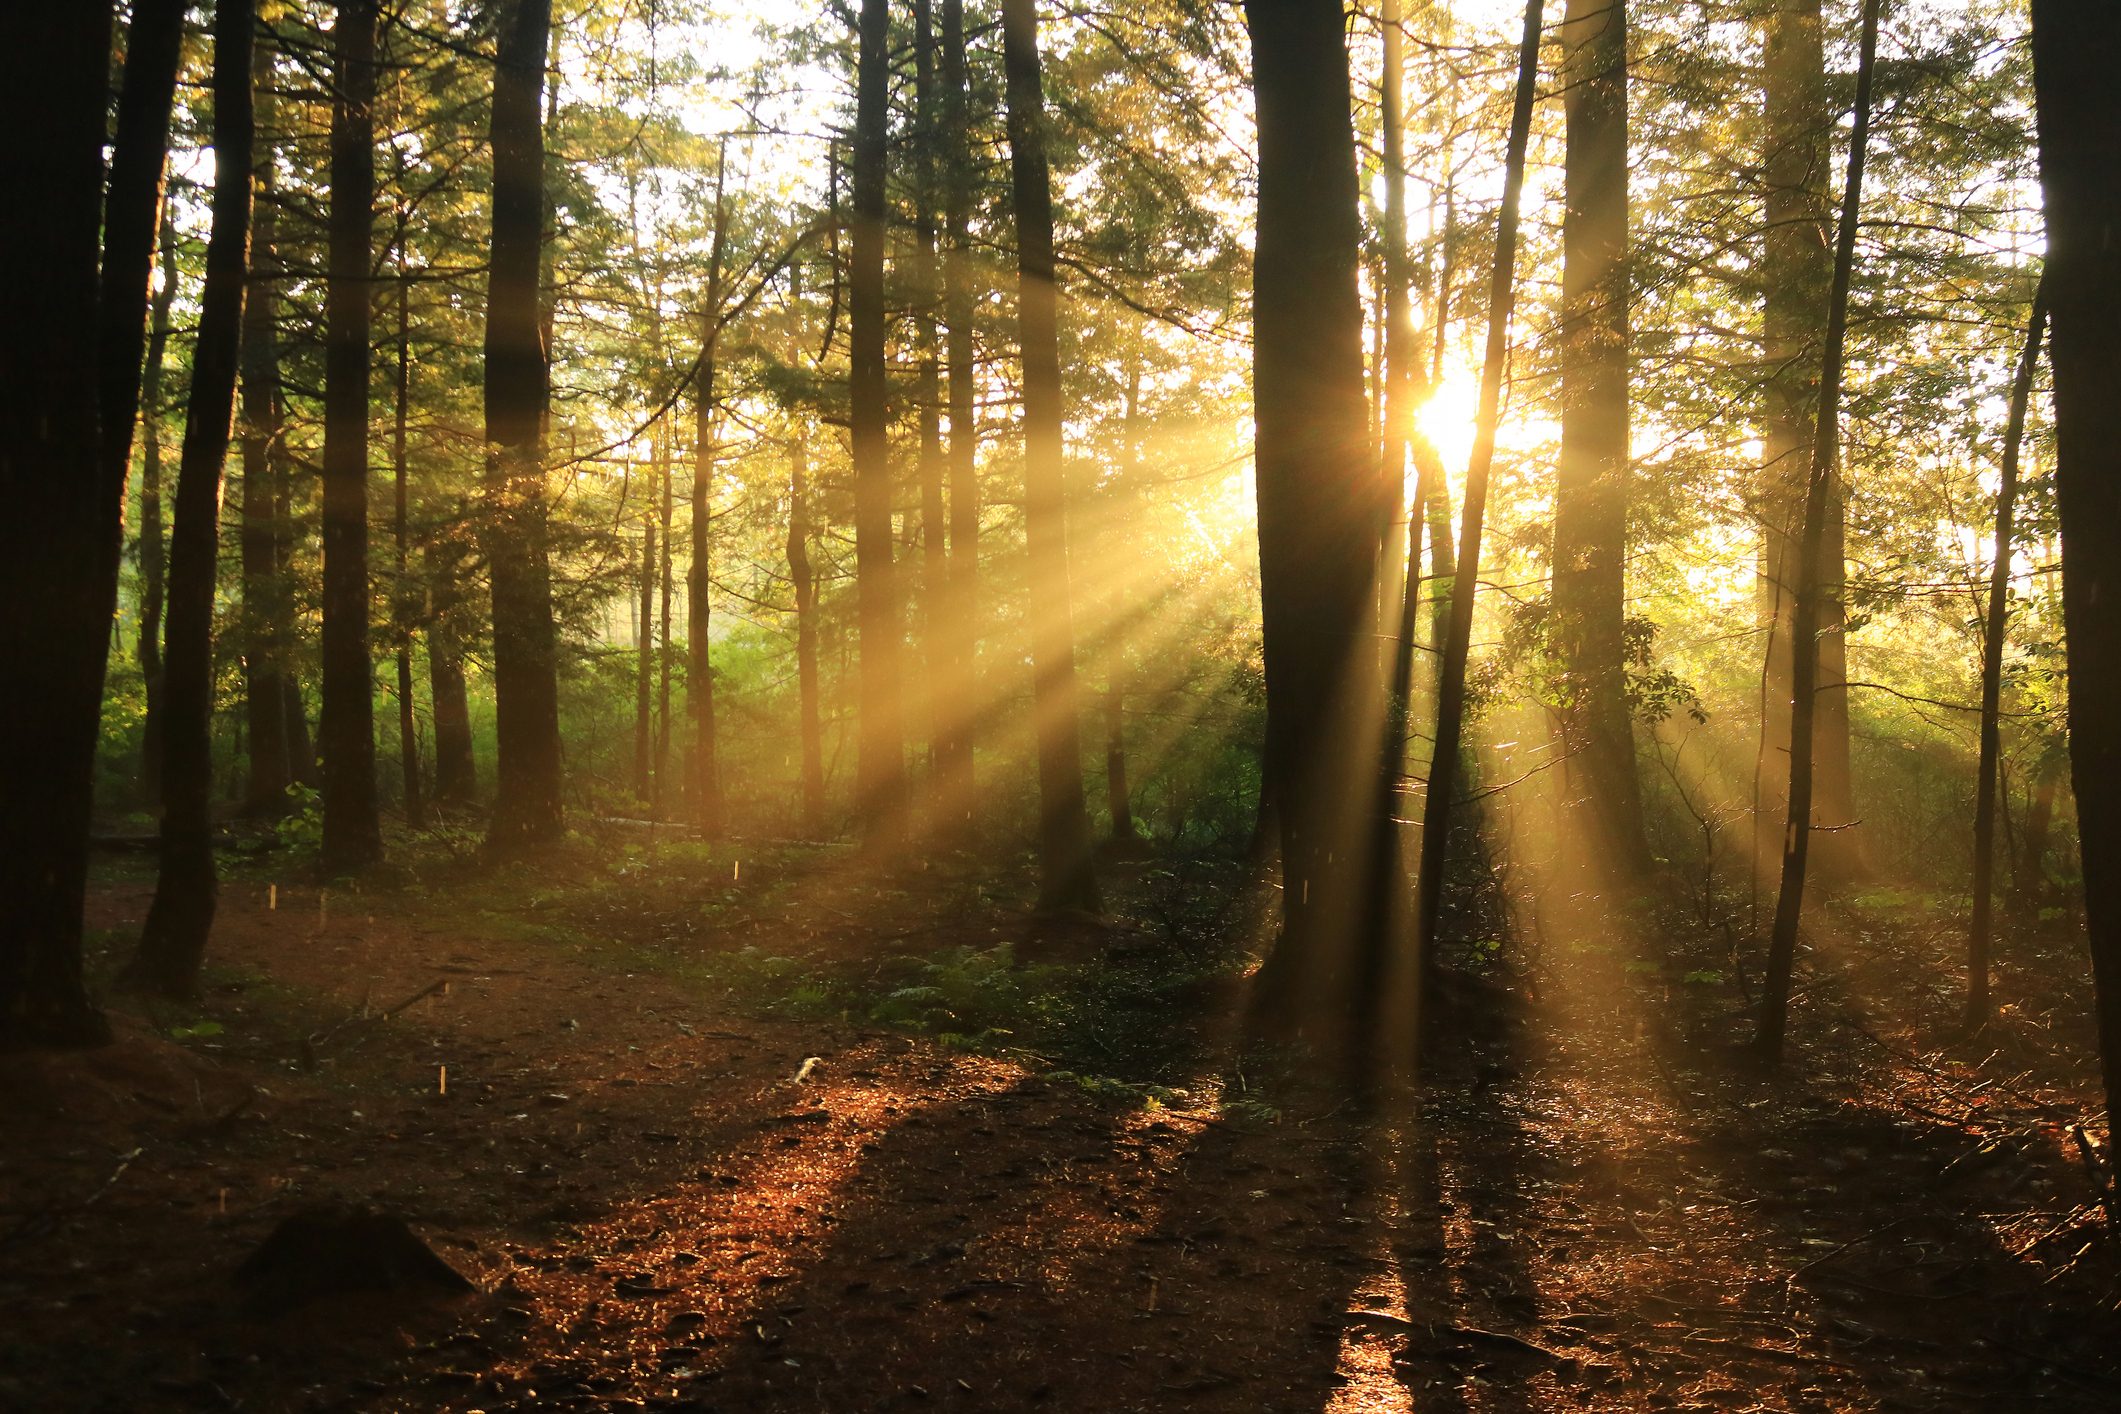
[1316,482]
[706,779]
[880,766]
[1995,627]
[153,552]
[2079,123]
[404,603]
[54,604]
[526,808]
[173,940]
[927,397]
[1796,269]
[346,738]
[1067,877]
[644,643]
[1589,605]
[955,783]
[804,582]
[456,772]
[1813,590]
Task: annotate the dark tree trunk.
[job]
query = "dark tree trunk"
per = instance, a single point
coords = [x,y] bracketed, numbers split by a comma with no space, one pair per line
[153,561]
[1444,767]
[1796,269]
[1317,477]
[456,773]
[2029,881]
[301,751]
[1997,625]
[55,606]
[404,603]
[1119,800]
[706,778]
[804,582]
[1589,605]
[959,628]
[936,644]
[1814,590]
[265,612]
[526,808]
[666,657]
[644,648]
[173,941]
[880,764]
[1067,877]
[346,738]
[2079,115]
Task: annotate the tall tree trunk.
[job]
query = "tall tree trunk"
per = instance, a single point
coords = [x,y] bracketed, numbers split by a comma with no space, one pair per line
[1444,765]
[1316,483]
[1997,625]
[1396,389]
[526,808]
[404,605]
[1589,604]
[936,644]
[153,564]
[804,582]
[706,778]
[1796,269]
[346,737]
[265,613]
[955,783]
[456,772]
[2029,883]
[644,640]
[666,658]
[55,609]
[880,764]
[1119,799]
[1813,590]
[280,601]
[1067,877]
[173,941]
[2079,118]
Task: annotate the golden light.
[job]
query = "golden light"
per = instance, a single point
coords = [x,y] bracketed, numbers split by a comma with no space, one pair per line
[1447,417]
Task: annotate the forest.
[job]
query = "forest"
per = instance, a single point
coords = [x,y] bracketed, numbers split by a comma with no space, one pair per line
[1243,705]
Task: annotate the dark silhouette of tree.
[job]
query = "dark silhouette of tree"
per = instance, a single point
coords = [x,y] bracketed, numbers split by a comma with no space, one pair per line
[936,643]
[1067,877]
[153,551]
[1813,590]
[173,940]
[959,618]
[705,783]
[404,606]
[802,579]
[526,807]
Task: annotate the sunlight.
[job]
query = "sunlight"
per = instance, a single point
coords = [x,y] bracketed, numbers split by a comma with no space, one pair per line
[1448,417]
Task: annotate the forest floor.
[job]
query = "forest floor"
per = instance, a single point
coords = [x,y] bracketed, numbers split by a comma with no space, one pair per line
[752,1128]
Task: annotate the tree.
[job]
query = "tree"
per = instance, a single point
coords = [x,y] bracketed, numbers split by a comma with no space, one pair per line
[153,561]
[802,579]
[705,775]
[526,808]
[346,720]
[2079,119]
[1812,589]
[1067,878]
[956,622]
[1589,606]
[880,765]
[936,639]
[54,604]
[173,940]
[1316,478]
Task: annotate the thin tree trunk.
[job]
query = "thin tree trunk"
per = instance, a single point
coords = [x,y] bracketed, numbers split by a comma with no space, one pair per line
[2029,883]
[526,807]
[54,604]
[955,783]
[706,779]
[927,396]
[153,562]
[1067,877]
[456,772]
[804,581]
[2079,121]
[1458,641]
[1316,483]
[1995,628]
[880,765]
[1395,393]
[666,657]
[173,941]
[404,609]
[1119,800]
[1589,606]
[1812,588]
[644,641]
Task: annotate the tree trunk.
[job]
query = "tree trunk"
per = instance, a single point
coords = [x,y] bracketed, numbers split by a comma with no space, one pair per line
[346,737]
[804,582]
[928,396]
[955,783]
[404,605]
[2079,120]
[148,645]
[1316,483]
[456,772]
[173,941]
[644,645]
[666,658]
[1796,269]
[1067,877]
[1458,641]
[1995,628]
[526,808]
[2029,881]
[1119,800]
[706,780]
[1589,608]
[880,766]
[1814,590]
[54,604]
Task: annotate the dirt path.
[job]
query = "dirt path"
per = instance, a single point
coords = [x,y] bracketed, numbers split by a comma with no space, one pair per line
[661,1215]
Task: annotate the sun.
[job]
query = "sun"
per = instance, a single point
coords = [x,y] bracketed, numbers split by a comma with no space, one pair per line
[1447,418]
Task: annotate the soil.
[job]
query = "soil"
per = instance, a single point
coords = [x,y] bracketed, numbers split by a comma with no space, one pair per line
[671,1198]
